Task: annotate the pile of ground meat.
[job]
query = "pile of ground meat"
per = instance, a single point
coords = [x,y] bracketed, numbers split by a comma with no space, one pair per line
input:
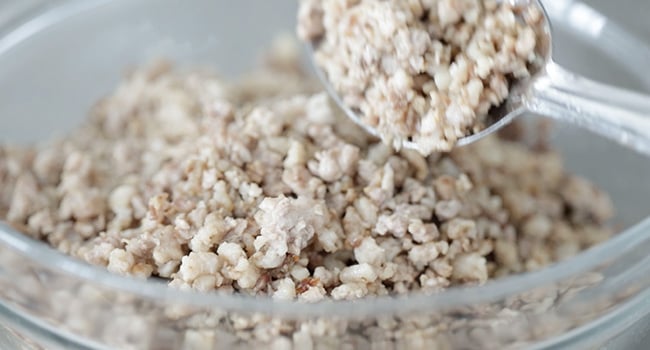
[425,71]
[260,186]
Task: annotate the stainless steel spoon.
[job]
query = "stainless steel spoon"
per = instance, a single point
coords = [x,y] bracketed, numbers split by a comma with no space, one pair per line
[619,114]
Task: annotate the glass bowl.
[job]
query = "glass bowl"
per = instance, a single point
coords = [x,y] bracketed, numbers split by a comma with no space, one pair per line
[57,58]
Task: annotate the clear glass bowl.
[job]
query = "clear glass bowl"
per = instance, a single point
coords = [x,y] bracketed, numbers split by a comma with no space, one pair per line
[57,58]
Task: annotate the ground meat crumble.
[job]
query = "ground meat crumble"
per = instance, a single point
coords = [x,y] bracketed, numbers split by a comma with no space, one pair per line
[265,191]
[425,71]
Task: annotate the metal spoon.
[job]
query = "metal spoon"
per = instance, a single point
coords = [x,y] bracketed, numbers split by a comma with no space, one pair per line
[619,114]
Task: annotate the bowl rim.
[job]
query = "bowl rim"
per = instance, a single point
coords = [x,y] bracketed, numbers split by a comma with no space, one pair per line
[158,291]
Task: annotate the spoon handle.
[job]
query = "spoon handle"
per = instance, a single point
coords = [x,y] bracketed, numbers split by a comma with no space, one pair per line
[619,114]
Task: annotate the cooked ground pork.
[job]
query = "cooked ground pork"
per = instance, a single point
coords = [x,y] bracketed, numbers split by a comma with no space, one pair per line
[425,71]
[262,190]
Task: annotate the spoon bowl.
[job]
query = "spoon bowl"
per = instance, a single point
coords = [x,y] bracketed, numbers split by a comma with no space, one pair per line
[551,91]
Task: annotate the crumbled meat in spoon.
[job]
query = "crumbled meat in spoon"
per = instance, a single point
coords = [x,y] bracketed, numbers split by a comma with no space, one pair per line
[420,71]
